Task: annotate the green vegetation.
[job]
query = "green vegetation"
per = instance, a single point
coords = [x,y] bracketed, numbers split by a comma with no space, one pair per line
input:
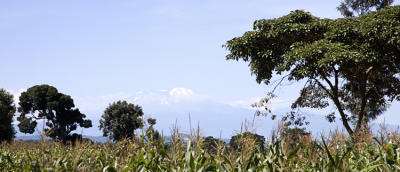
[7,110]
[121,119]
[57,109]
[333,153]
[238,141]
[211,144]
[349,63]
[293,136]
[151,133]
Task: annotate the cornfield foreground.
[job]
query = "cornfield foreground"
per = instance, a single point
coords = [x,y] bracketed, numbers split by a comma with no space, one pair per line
[334,152]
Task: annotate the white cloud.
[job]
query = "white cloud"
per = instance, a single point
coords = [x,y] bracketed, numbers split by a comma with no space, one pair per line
[150,98]
[182,94]
[168,97]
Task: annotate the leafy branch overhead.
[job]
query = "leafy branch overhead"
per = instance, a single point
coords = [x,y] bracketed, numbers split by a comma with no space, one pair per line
[351,63]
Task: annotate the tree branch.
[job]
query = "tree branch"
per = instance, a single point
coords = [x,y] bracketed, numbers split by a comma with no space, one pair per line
[324,88]
[335,98]
[279,82]
[363,102]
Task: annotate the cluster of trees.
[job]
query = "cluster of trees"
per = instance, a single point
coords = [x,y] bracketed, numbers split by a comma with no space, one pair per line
[291,137]
[60,117]
[119,120]
[237,142]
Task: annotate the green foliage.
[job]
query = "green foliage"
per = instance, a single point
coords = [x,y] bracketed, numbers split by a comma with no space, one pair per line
[238,141]
[151,121]
[7,111]
[211,144]
[128,155]
[348,8]
[351,63]
[151,133]
[293,136]
[57,109]
[120,120]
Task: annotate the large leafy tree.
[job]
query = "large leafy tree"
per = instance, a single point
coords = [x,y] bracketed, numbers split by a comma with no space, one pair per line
[351,63]
[44,102]
[121,119]
[7,111]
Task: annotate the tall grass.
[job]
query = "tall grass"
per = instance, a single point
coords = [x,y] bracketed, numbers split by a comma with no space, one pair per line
[333,152]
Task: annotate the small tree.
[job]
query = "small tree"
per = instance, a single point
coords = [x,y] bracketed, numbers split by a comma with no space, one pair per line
[120,120]
[7,111]
[151,133]
[211,144]
[44,102]
[293,136]
[238,141]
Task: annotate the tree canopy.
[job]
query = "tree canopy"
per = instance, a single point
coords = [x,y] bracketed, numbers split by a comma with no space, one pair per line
[44,102]
[353,8]
[151,133]
[351,63]
[238,141]
[121,119]
[211,144]
[7,111]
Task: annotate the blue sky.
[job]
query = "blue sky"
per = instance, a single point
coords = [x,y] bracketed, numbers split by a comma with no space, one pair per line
[163,55]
